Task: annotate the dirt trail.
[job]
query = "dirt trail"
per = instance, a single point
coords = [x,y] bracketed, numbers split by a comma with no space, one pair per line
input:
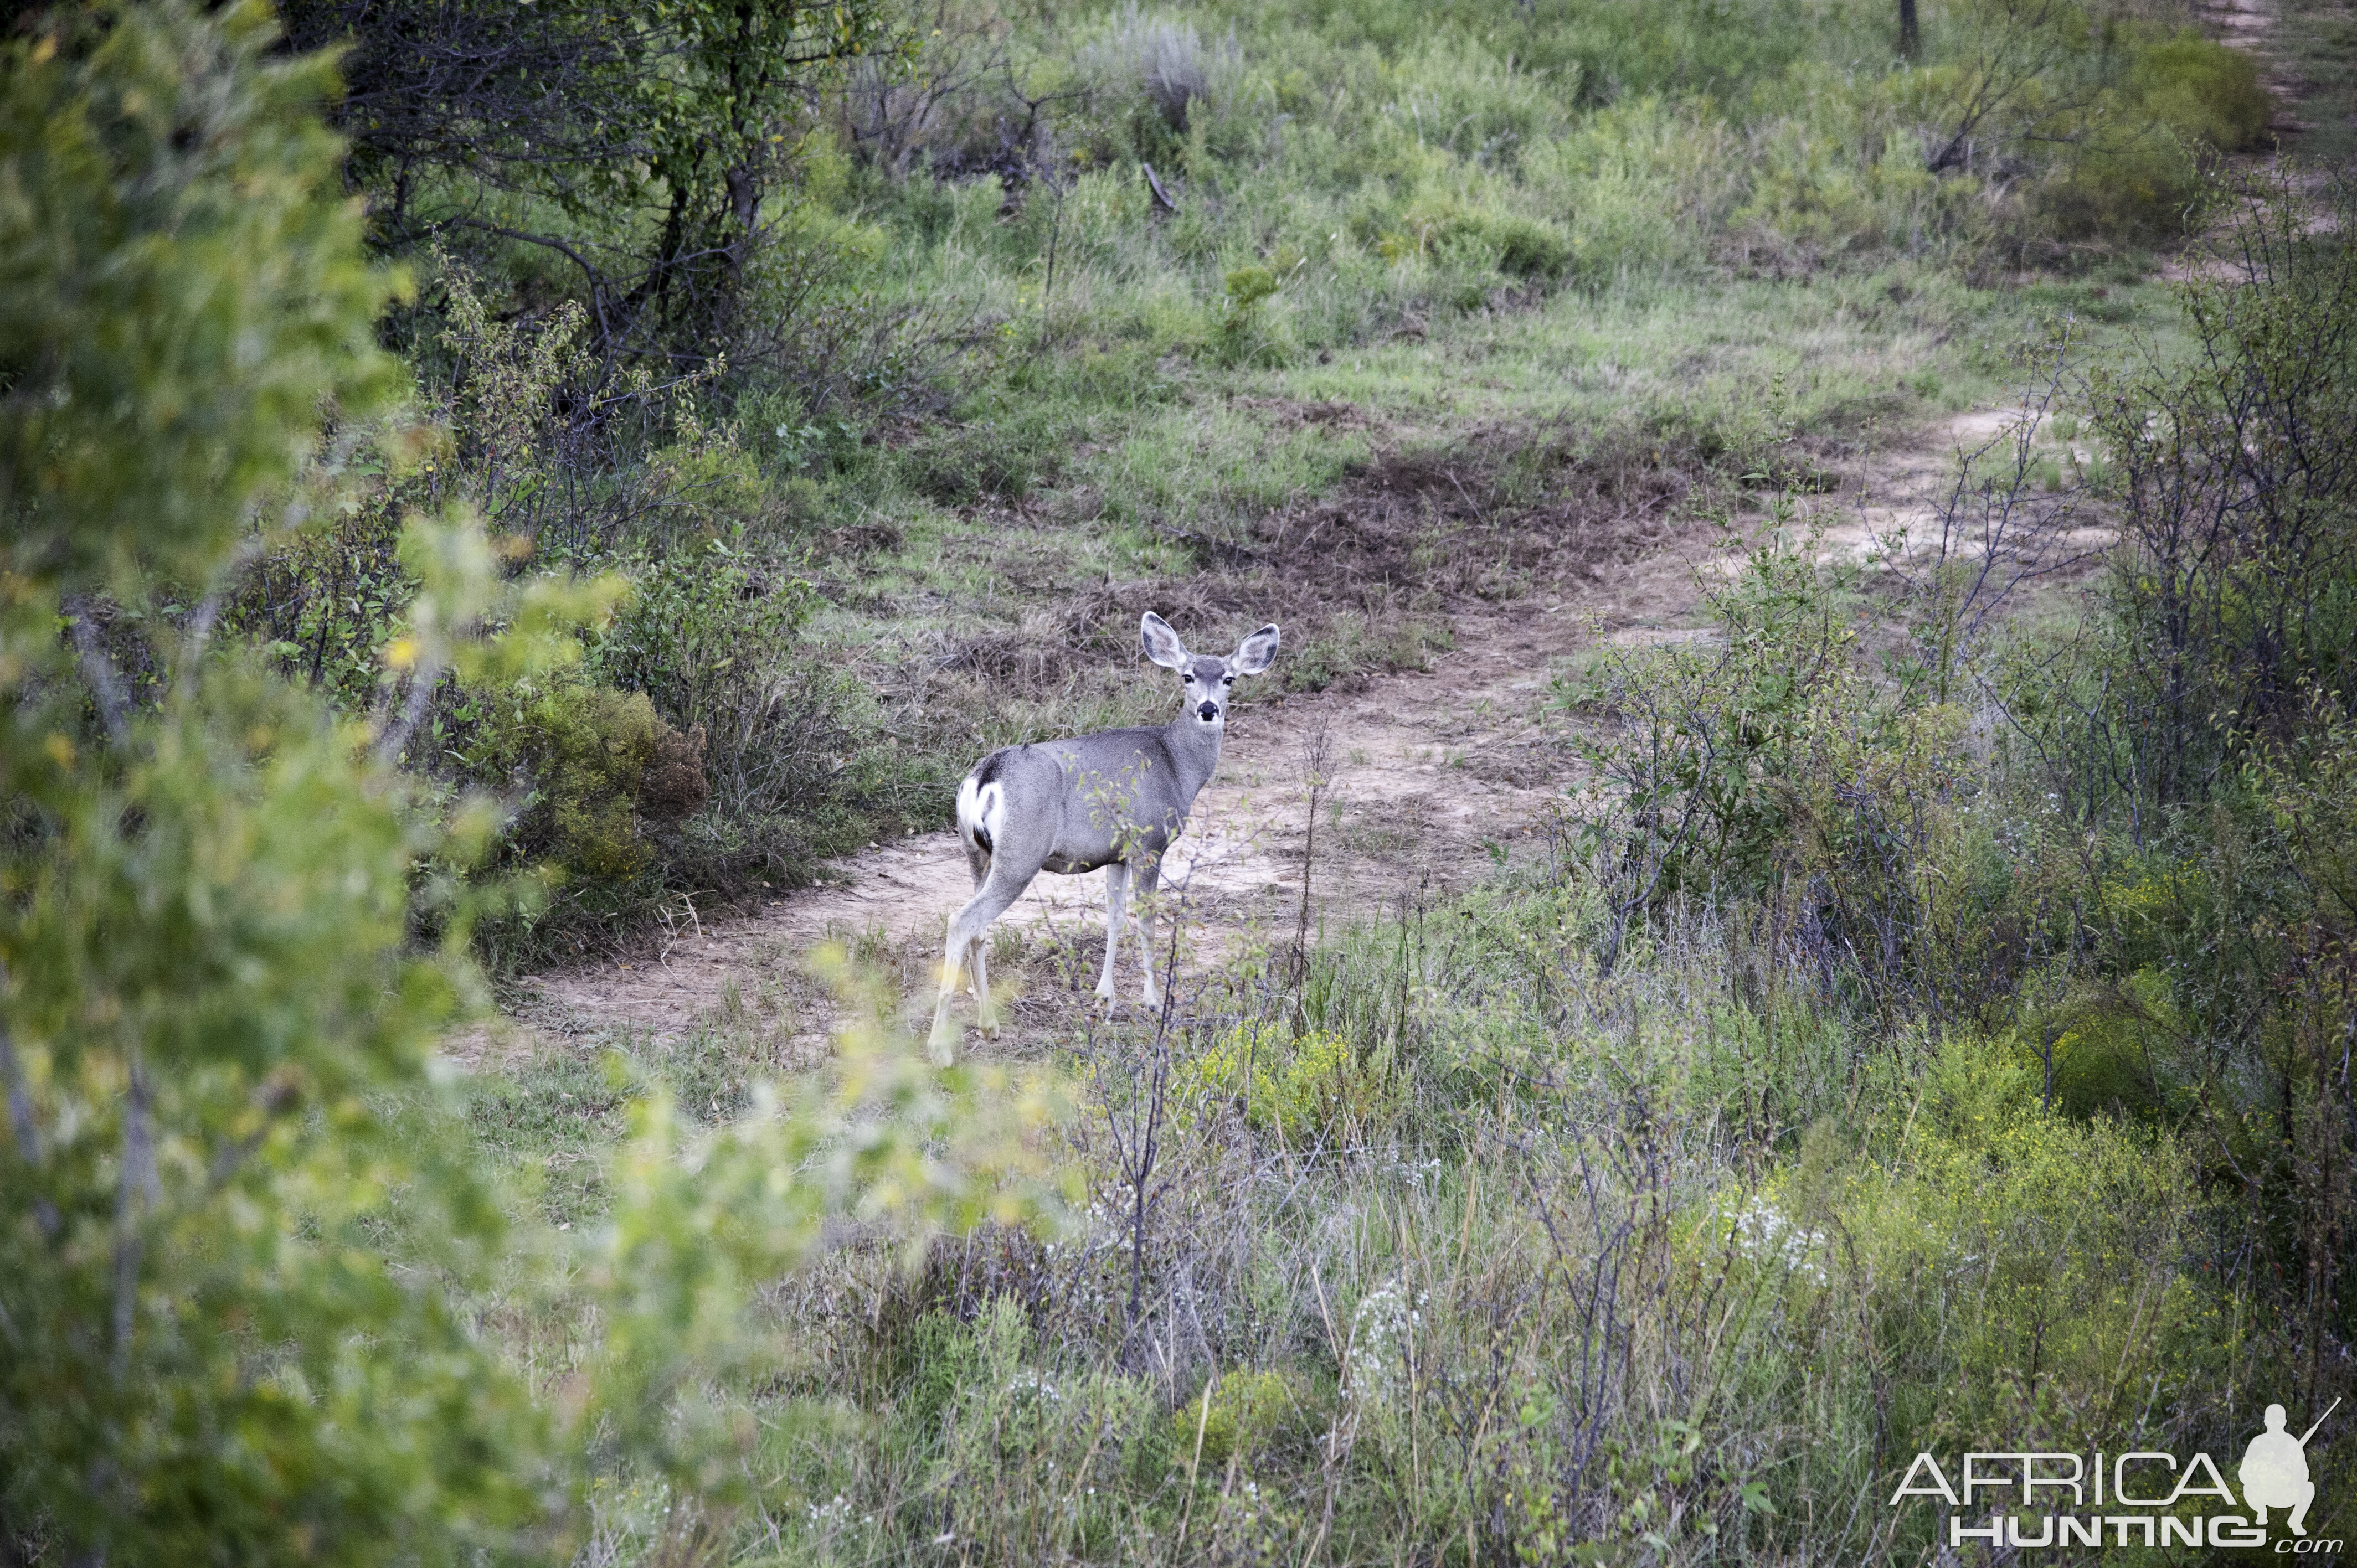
[1424,773]
[2252,26]
[1421,770]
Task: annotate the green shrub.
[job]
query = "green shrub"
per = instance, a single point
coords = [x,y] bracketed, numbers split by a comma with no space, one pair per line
[2141,187]
[2201,88]
[1529,249]
[2110,1051]
[588,754]
[1240,1415]
[2027,1240]
[1244,329]
[784,737]
[210,1006]
[321,604]
[1247,286]
[1306,1088]
[1767,755]
[709,635]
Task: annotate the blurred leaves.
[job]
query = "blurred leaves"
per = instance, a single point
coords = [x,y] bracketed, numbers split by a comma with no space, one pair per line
[462,595]
[245,1249]
[182,291]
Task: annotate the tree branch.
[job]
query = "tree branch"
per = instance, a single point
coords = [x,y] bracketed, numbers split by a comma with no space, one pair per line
[138,1180]
[98,672]
[23,1126]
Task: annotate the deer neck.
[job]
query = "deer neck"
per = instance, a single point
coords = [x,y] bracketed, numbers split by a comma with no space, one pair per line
[1194,753]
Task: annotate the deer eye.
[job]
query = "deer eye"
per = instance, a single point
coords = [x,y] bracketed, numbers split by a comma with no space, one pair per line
[1227,680]
[1187,680]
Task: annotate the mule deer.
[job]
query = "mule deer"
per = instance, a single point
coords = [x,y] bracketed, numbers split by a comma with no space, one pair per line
[1113,799]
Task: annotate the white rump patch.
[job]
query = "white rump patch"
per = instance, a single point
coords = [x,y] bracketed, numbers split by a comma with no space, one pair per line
[980,806]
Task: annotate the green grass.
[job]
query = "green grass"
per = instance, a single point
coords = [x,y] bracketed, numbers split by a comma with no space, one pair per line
[550,1119]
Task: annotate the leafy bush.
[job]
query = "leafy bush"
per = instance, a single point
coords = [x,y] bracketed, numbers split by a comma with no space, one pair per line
[2199,88]
[184,292]
[2053,1247]
[1764,757]
[1304,1089]
[117,433]
[2233,476]
[1529,249]
[2141,186]
[709,635]
[1240,1414]
[612,791]
[712,635]
[595,759]
[1243,332]
[322,604]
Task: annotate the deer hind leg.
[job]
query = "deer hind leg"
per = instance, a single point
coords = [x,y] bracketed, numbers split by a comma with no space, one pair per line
[990,901]
[978,860]
[1117,902]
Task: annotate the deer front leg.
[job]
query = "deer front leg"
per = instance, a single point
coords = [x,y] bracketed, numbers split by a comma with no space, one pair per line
[1149,872]
[985,1009]
[1117,901]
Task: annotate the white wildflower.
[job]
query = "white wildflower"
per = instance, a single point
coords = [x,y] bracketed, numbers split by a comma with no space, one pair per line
[1765,1235]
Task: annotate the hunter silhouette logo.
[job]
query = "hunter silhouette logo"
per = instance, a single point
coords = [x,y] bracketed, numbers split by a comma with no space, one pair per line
[2275,1470]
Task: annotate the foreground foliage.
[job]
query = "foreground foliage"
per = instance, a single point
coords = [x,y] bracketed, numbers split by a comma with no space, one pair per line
[247,1261]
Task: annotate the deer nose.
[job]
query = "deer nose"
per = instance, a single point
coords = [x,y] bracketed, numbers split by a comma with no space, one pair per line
[1208,712]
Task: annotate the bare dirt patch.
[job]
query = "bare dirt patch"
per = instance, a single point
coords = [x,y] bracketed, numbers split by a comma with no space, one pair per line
[1976,481]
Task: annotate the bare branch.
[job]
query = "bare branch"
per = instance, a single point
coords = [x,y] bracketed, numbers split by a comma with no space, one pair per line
[23,1124]
[137,1182]
[99,673]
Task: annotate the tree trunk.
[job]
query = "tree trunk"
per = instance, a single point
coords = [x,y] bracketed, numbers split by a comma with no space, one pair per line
[1910,33]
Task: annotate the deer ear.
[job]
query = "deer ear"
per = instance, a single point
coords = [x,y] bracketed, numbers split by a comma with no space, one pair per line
[1161,643]
[1254,653]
